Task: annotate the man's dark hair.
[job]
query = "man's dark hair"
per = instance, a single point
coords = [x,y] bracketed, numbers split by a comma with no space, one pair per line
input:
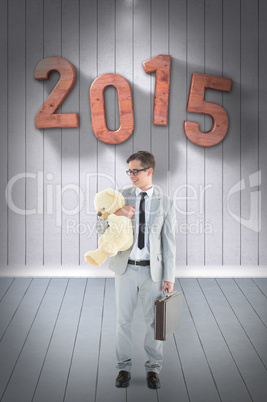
[146,158]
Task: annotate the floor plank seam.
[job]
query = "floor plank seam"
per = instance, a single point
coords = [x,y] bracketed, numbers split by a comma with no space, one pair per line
[250,304]
[16,310]
[181,365]
[259,288]
[50,340]
[226,343]
[100,339]
[27,336]
[75,340]
[7,290]
[202,346]
[243,329]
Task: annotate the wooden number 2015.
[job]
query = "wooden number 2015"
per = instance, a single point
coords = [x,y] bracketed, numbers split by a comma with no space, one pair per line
[46,118]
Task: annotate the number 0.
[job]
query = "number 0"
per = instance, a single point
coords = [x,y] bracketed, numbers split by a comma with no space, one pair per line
[98,108]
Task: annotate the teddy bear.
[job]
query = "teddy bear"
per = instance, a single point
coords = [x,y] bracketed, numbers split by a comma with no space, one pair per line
[119,234]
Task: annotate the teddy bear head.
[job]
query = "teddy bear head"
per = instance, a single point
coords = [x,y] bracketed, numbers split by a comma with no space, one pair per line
[107,202]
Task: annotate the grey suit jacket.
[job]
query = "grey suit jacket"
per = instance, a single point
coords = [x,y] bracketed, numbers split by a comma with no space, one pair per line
[161,237]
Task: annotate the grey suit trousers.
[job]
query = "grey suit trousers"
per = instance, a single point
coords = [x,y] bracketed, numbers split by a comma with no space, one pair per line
[136,280]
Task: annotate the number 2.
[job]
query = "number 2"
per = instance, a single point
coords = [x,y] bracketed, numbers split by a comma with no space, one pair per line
[46,118]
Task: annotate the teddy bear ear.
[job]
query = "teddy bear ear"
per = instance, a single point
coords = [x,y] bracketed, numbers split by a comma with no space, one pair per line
[118,202]
[110,191]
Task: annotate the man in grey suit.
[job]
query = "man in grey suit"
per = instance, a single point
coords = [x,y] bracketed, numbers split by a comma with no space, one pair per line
[146,269]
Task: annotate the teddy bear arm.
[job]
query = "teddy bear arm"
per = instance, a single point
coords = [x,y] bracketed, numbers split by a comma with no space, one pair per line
[127,244]
[118,242]
[111,247]
[96,257]
[100,240]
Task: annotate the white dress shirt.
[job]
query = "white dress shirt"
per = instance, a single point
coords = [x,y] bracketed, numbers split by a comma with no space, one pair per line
[136,253]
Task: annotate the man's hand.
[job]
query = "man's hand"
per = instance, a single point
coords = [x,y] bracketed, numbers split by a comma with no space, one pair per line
[168,285]
[126,211]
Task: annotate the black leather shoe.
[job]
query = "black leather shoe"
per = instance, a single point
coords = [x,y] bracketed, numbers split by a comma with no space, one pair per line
[152,379]
[123,379]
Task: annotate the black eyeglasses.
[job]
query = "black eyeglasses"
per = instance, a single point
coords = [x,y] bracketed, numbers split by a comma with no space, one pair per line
[135,171]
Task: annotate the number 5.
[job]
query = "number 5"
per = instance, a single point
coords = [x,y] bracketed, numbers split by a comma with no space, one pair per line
[197,104]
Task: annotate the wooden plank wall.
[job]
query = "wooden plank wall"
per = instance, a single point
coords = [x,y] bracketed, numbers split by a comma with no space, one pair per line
[219,37]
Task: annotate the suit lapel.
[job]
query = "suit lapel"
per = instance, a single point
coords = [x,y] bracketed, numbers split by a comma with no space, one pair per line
[154,207]
[130,199]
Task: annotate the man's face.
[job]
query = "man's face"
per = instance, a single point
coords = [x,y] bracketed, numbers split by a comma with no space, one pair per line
[143,179]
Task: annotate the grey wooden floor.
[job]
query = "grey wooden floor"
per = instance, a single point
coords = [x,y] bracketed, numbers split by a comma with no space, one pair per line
[57,341]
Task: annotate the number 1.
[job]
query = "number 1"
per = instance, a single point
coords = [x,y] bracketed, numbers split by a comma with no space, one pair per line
[162,65]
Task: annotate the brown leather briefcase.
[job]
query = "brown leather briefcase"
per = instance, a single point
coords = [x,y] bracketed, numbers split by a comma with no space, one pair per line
[167,315]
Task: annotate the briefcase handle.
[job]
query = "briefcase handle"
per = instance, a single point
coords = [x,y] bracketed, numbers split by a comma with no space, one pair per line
[166,293]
